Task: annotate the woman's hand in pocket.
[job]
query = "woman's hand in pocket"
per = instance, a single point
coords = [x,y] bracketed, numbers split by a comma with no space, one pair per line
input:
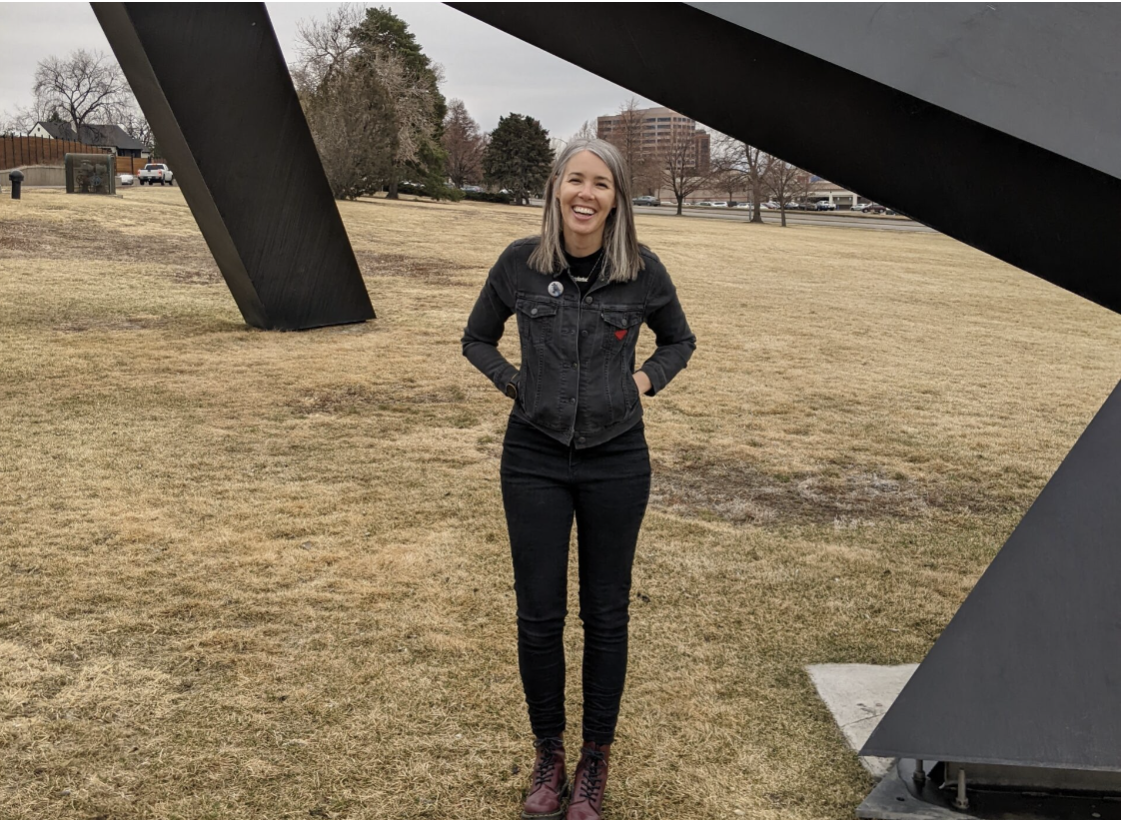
[642,381]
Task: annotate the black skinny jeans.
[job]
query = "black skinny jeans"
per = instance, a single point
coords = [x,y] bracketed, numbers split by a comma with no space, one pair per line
[607,487]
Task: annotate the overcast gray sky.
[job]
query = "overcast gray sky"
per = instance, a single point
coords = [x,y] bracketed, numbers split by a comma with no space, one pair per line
[492,72]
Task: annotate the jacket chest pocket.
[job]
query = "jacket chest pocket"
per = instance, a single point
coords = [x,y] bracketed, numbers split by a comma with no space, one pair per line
[621,328]
[535,321]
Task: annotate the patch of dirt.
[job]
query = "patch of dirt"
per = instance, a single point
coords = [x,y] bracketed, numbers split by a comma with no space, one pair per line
[349,398]
[85,239]
[124,323]
[437,271]
[188,257]
[740,493]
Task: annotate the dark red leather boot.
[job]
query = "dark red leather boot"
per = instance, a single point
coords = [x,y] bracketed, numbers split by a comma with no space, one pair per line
[589,781]
[549,785]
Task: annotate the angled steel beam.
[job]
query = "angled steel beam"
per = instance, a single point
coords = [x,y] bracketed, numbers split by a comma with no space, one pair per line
[937,122]
[212,81]
[1026,673]
[993,190]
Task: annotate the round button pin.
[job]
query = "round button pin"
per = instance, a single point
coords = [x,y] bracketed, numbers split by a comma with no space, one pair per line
[556,288]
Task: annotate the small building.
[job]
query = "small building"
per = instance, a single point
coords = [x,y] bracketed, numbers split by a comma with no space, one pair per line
[112,137]
[821,190]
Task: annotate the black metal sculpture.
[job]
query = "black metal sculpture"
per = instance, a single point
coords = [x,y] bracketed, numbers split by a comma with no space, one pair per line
[213,84]
[212,81]
[948,110]
[1022,690]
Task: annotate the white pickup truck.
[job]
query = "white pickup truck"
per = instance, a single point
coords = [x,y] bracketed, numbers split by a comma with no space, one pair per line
[155,172]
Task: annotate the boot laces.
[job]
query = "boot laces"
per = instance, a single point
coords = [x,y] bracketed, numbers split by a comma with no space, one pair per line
[547,747]
[593,774]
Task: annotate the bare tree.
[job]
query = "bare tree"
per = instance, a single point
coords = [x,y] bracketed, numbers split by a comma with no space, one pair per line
[132,120]
[349,111]
[22,120]
[464,142]
[627,136]
[726,165]
[351,42]
[586,132]
[82,88]
[680,171]
[324,47]
[556,145]
[756,165]
[784,180]
[743,166]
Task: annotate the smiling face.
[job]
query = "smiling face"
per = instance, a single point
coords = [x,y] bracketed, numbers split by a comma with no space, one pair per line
[586,193]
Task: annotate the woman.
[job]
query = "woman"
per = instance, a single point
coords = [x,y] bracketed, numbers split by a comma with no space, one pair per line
[575,446]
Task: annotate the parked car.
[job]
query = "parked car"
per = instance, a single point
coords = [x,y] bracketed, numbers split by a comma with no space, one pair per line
[743,206]
[770,205]
[874,208]
[649,201]
[125,179]
[825,206]
[155,172]
[718,204]
[472,189]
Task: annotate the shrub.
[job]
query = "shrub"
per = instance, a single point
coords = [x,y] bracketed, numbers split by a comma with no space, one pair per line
[484,196]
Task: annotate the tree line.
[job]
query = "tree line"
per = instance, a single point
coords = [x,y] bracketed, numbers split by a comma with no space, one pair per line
[374,106]
[372,100]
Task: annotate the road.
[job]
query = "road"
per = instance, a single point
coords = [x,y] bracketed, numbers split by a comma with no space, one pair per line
[821,219]
[824,219]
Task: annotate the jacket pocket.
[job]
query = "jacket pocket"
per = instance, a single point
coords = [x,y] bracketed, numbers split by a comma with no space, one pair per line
[535,321]
[621,327]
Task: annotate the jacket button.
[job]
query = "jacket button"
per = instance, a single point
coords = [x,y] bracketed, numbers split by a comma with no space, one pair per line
[534,312]
[580,440]
[584,333]
[573,400]
[588,300]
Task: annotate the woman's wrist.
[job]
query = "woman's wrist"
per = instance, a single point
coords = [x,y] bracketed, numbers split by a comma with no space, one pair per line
[642,381]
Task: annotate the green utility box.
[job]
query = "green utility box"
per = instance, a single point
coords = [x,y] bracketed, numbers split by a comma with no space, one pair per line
[90,173]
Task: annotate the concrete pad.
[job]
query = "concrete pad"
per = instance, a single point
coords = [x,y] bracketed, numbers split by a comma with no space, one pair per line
[858,695]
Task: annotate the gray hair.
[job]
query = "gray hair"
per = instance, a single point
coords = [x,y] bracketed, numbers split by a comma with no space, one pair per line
[622,260]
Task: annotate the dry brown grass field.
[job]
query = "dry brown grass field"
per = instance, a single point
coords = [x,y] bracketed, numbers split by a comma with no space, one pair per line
[265,575]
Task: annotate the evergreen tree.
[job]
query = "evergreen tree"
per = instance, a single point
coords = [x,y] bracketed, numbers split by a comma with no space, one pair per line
[518,156]
[349,112]
[350,117]
[391,51]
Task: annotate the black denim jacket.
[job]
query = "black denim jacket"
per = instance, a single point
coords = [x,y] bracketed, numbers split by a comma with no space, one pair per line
[578,354]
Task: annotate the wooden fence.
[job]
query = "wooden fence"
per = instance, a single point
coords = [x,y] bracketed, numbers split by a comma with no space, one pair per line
[130,165]
[17,151]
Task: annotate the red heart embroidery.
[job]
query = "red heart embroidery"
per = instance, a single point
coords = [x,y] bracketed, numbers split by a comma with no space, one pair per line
[620,334]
